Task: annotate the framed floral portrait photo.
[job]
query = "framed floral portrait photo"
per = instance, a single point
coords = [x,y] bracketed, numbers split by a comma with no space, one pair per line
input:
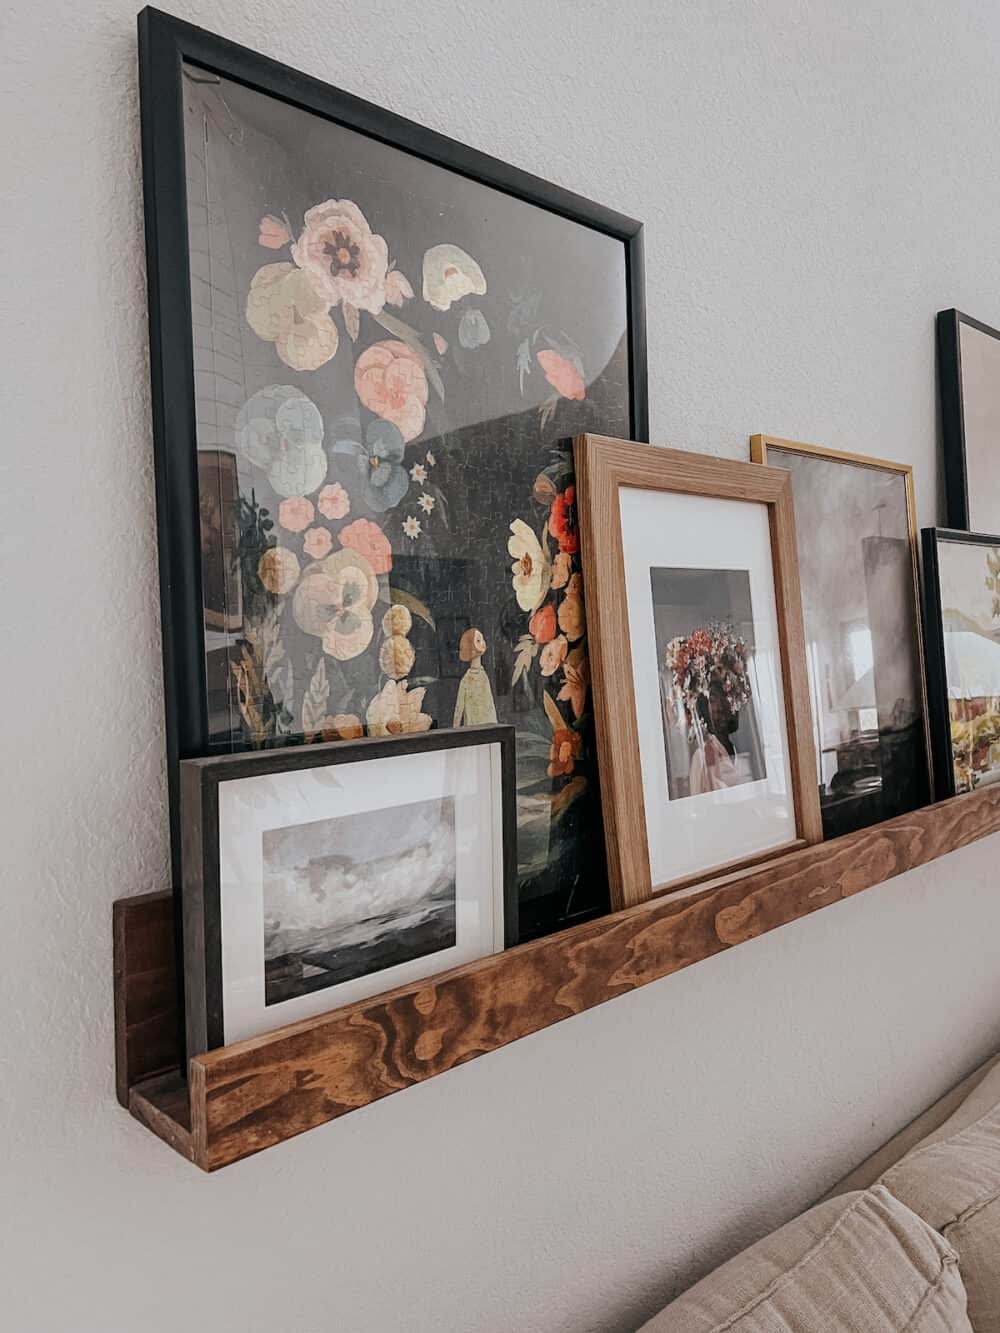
[369,346]
[707,758]
[320,875]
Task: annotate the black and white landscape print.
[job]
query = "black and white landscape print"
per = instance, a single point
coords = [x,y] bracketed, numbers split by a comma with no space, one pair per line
[355,894]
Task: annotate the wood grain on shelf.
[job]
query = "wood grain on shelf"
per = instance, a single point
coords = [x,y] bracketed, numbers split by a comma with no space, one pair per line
[146,1014]
[259,1092]
[603,467]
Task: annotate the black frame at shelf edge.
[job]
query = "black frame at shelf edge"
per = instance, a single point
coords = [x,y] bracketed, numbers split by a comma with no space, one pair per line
[949,351]
[934,650]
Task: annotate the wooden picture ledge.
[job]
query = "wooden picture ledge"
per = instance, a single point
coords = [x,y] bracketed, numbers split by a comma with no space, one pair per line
[242,1098]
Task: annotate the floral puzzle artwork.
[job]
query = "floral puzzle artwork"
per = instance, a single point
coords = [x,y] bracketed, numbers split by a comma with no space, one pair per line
[390,361]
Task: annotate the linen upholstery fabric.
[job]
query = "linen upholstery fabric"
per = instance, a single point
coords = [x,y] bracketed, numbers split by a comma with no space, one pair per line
[861,1263]
[982,1098]
[953,1182]
[936,1120]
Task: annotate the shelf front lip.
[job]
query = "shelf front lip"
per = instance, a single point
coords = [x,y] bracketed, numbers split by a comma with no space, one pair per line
[258,1092]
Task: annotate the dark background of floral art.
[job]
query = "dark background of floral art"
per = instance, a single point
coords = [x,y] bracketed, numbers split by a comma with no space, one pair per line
[497,441]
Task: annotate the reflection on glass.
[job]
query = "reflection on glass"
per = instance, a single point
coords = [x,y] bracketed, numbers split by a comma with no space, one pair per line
[387,357]
[860,615]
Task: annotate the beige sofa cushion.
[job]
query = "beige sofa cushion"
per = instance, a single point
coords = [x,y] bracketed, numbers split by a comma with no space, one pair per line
[929,1122]
[982,1098]
[861,1263]
[953,1182]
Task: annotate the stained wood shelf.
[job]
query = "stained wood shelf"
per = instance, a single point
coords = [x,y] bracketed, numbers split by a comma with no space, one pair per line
[242,1098]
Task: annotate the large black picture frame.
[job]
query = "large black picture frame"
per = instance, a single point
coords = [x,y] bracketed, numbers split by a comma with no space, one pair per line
[200,780]
[164,43]
[956,471]
[934,650]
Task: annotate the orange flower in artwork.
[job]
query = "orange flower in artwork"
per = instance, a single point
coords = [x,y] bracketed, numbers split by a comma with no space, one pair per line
[342,727]
[576,674]
[561,569]
[553,656]
[563,752]
[562,521]
[390,380]
[368,539]
[562,374]
[572,620]
[543,624]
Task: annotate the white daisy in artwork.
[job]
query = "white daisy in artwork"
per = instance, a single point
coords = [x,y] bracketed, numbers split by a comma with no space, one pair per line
[431,460]
[418,473]
[411,527]
[426,502]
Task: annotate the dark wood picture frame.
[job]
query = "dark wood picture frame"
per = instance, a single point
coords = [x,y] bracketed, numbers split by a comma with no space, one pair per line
[164,43]
[934,651]
[603,467]
[199,783]
[956,472]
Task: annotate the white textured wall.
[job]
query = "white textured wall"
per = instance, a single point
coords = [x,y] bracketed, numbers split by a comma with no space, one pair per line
[816,184]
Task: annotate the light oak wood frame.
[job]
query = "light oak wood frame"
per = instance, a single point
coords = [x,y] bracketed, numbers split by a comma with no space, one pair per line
[603,467]
[759,445]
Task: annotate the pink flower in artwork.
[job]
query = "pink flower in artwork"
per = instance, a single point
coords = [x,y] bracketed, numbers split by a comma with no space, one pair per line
[343,258]
[296,513]
[333,501]
[390,381]
[397,288]
[317,543]
[368,539]
[273,233]
[562,374]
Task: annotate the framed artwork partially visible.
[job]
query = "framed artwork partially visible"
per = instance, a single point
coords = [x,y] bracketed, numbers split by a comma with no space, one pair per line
[707,760]
[969,378]
[962,620]
[367,344]
[320,875]
[856,534]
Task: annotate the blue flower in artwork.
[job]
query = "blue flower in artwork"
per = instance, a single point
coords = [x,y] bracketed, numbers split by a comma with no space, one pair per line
[473,331]
[370,461]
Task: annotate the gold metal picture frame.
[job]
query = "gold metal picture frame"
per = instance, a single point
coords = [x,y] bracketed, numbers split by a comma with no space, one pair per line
[881,767]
